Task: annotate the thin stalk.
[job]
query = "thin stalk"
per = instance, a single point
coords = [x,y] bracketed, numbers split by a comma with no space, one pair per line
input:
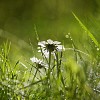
[32,84]
[49,64]
[61,55]
[43,55]
[35,74]
[57,60]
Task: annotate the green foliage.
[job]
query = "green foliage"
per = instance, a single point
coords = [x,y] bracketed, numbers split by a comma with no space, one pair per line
[62,73]
[70,74]
[66,78]
[86,30]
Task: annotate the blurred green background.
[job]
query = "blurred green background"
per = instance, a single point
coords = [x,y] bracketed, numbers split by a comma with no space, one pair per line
[52,18]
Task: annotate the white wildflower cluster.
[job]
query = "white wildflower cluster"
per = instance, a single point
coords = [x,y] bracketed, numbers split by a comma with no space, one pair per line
[51,46]
[47,47]
[38,62]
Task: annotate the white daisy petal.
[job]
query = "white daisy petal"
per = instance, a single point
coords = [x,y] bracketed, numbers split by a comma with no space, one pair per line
[42,43]
[60,48]
[34,59]
[57,42]
[49,41]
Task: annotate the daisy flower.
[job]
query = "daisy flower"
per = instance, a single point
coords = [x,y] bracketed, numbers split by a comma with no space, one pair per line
[39,63]
[51,46]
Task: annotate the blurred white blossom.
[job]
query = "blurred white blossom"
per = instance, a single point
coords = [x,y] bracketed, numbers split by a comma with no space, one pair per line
[38,62]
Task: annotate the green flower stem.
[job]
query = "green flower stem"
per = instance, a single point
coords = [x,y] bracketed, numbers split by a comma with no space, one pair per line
[58,68]
[35,74]
[49,65]
[61,58]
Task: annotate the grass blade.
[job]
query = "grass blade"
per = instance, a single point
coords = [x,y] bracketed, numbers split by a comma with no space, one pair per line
[88,32]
